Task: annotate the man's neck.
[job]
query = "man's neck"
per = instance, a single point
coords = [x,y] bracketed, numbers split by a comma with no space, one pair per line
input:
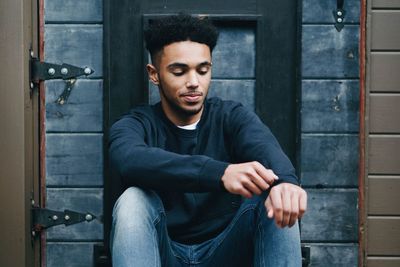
[181,119]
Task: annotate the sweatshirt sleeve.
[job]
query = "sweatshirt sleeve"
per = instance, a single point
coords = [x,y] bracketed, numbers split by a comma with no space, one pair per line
[255,142]
[154,168]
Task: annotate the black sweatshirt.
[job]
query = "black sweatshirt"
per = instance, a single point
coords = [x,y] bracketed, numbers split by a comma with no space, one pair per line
[185,166]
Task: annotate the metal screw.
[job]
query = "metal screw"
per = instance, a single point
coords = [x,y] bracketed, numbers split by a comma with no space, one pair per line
[54,217]
[51,71]
[33,202]
[87,71]
[339,20]
[31,85]
[88,217]
[33,233]
[339,13]
[32,54]
[64,71]
[66,217]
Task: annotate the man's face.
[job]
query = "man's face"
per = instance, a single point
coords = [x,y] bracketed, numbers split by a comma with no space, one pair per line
[183,75]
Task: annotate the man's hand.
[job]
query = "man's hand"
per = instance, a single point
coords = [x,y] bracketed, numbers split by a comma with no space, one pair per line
[248,178]
[287,203]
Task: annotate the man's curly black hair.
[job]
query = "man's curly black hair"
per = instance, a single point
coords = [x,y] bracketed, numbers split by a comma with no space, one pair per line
[177,28]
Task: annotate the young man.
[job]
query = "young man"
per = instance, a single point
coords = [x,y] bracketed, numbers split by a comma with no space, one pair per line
[208,184]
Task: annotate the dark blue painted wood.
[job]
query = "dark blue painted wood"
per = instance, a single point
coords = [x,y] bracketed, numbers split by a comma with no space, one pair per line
[234,55]
[338,255]
[237,90]
[329,160]
[330,106]
[83,111]
[74,159]
[81,200]
[331,216]
[73,11]
[71,254]
[79,45]
[317,11]
[329,53]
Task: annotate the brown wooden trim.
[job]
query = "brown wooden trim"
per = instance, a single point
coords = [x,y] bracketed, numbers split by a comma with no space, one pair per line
[362,134]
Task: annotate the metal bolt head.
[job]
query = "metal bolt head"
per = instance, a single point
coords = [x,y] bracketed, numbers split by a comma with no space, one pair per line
[64,71]
[339,13]
[88,217]
[87,71]
[51,71]
[340,20]
[66,217]
[32,54]
[33,202]
[33,233]
[54,217]
[31,85]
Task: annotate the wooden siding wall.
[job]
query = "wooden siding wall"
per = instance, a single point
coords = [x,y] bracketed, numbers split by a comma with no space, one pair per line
[329,132]
[74,131]
[383,212]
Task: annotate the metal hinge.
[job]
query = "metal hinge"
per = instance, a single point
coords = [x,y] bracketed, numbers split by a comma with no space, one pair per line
[44,218]
[41,71]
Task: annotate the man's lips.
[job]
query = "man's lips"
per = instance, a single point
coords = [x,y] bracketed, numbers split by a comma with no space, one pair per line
[192,96]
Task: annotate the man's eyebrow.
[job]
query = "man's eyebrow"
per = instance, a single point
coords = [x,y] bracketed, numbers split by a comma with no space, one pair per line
[183,65]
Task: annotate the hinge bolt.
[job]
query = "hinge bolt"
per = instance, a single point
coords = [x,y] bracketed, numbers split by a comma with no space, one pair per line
[32,54]
[33,233]
[339,13]
[87,71]
[51,71]
[31,85]
[88,217]
[67,217]
[33,202]
[339,20]
[54,217]
[64,71]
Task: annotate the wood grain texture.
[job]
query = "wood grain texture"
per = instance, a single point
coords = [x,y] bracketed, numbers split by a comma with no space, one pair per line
[385,34]
[384,154]
[383,195]
[329,53]
[331,216]
[385,72]
[384,113]
[236,90]
[80,200]
[73,11]
[74,159]
[330,106]
[383,261]
[383,236]
[331,254]
[83,111]
[316,11]
[79,45]
[329,160]
[235,53]
[385,4]
[71,254]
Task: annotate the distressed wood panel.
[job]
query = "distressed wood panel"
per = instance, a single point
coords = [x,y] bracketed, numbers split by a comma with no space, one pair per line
[83,111]
[81,200]
[331,216]
[329,160]
[389,38]
[329,53]
[317,11]
[385,4]
[328,254]
[73,11]
[71,254]
[383,261]
[383,195]
[330,106]
[384,74]
[384,154]
[384,113]
[237,90]
[74,159]
[79,45]
[235,54]
[383,236]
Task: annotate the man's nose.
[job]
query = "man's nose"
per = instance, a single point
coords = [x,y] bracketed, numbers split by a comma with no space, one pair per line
[193,81]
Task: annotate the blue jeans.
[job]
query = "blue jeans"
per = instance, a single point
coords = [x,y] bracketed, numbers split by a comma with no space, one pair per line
[139,237]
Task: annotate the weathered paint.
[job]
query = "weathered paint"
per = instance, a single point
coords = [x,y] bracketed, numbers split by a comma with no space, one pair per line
[90,11]
[317,11]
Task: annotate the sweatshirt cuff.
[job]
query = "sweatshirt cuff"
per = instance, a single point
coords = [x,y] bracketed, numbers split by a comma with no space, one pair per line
[287,179]
[211,174]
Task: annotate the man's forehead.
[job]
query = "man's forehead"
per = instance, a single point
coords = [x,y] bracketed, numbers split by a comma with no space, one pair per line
[186,52]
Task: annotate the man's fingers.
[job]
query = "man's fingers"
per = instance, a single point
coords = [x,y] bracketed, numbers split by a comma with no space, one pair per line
[295,209]
[302,204]
[276,202]
[260,182]
[252,187]
[266,174]
[270,209]
[287,208]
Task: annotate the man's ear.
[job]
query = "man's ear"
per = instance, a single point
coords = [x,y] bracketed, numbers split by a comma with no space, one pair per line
[153,74]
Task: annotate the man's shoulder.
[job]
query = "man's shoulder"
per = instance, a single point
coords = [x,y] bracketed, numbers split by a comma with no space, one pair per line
[220,104]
